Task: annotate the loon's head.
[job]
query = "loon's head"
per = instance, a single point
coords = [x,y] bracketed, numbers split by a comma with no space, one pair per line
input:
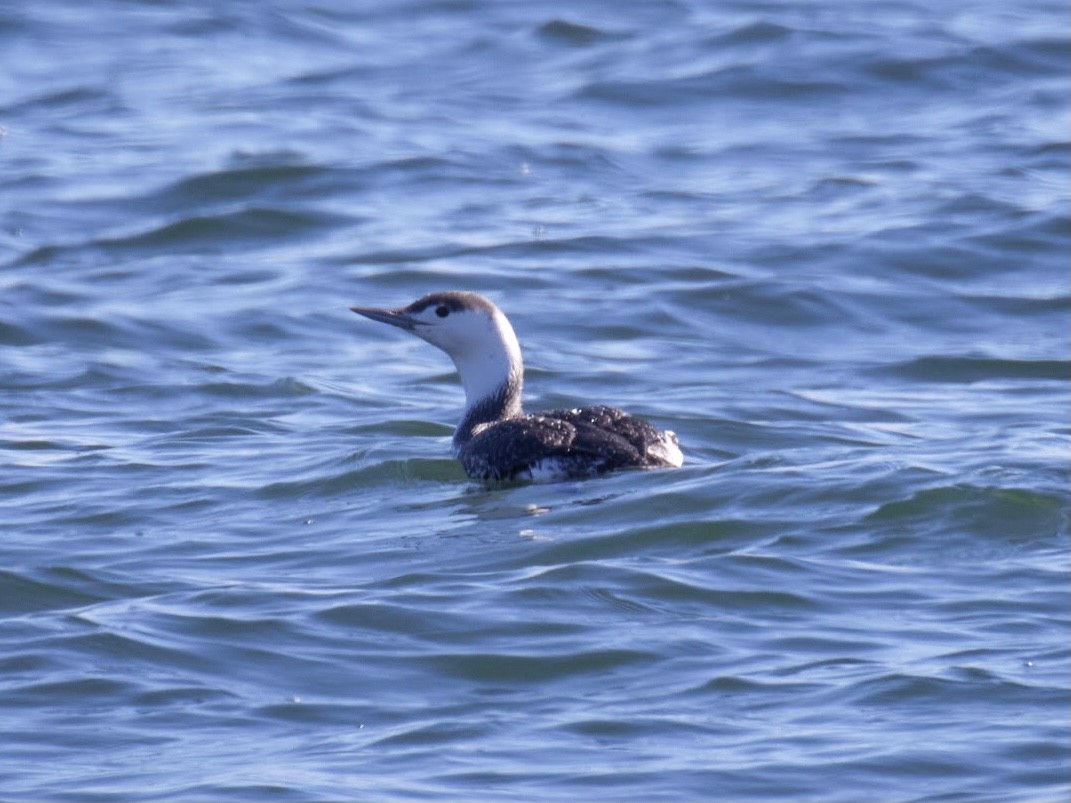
[468,327]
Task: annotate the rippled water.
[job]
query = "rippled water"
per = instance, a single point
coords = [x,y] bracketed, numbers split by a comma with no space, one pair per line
[827,243]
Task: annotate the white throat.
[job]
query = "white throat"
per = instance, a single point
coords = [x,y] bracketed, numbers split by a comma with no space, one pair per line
[490,362]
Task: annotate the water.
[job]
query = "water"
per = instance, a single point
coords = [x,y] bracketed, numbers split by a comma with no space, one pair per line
[827,243]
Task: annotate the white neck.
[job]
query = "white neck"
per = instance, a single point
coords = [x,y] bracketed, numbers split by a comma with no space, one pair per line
[490,363]
[492,374]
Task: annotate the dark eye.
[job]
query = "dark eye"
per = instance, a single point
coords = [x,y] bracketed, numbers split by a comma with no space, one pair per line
[442,310]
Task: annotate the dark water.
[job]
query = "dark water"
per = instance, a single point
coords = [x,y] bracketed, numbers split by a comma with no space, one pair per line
[827,243]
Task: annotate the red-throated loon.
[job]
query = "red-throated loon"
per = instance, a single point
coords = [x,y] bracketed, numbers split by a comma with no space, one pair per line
[495,439]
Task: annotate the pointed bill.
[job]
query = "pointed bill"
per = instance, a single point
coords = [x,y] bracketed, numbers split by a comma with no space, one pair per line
[392,316]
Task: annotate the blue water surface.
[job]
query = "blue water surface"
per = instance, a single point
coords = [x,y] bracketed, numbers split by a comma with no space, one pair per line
[827,243]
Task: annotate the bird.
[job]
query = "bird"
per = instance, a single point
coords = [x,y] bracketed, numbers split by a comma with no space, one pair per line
[496,440]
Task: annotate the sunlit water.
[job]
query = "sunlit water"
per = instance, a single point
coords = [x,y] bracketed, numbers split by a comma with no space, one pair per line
[827,243]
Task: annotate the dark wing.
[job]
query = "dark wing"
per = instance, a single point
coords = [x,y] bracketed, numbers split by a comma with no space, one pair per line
[507,448]
[645,438]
